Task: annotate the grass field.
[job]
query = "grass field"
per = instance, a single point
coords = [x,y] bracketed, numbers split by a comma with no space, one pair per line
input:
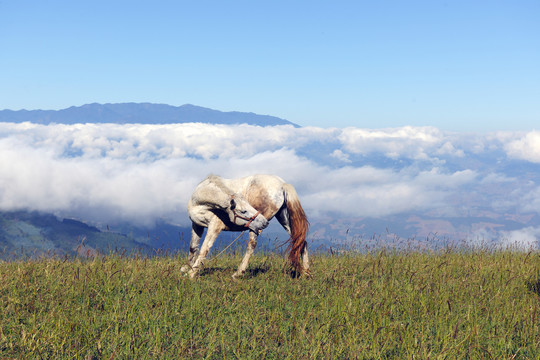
[381,305]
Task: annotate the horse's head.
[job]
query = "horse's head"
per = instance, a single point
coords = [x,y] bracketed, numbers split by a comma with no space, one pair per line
[241,213]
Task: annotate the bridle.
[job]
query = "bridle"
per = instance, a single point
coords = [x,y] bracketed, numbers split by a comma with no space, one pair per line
[236,215]
[249,220]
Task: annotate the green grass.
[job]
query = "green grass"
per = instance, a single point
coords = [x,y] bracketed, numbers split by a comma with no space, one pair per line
[381,305]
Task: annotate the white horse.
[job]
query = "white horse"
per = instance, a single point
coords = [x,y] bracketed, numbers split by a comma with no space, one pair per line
[246,203]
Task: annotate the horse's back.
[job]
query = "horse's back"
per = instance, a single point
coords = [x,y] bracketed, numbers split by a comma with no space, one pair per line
[269,181]
[241,185]
[263,192]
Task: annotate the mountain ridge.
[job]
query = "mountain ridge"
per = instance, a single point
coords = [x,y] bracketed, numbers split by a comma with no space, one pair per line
[139,113]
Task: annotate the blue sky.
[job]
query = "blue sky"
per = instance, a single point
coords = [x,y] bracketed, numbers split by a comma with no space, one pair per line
[456,65]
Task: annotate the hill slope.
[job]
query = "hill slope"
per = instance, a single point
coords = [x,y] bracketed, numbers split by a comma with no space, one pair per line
[33,234]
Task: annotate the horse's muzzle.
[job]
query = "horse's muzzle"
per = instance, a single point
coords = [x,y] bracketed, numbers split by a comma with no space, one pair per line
[258,223]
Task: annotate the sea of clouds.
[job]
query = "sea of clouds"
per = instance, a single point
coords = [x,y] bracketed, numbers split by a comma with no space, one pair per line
[140,173]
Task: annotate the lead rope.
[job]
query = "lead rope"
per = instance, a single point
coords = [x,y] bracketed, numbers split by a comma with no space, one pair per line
[222,251]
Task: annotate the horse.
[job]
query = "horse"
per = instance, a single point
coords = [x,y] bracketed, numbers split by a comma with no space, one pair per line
[247,203]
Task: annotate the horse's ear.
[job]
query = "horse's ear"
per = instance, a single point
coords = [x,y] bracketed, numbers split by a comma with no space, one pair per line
[233,204]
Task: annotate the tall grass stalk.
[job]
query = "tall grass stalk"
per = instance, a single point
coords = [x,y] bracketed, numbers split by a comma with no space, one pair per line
[379,305]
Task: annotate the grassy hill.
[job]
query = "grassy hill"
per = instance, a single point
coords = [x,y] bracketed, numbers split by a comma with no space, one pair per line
[31,234]
[380,305]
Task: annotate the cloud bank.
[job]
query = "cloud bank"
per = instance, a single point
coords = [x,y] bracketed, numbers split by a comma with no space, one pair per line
[141,173]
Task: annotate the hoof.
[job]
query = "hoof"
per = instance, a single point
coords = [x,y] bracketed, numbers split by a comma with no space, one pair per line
[237,275]
[307,274]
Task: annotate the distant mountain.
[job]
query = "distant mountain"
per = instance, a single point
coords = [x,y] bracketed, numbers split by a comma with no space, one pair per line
[139,113]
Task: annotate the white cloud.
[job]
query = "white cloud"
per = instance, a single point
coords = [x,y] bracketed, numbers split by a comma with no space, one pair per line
[341,156]
[138,173]
[531,201]
[525,147]
[102,189]
[418,143]
[525,239]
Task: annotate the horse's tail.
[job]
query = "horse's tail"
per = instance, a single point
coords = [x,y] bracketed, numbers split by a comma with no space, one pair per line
[299,228]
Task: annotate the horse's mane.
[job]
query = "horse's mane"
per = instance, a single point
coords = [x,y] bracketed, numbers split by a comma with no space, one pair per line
[218,181]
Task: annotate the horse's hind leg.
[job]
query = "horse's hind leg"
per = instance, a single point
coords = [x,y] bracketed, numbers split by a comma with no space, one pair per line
[305,262]
[283,218]
[214,229]
[250,248]
[196,234]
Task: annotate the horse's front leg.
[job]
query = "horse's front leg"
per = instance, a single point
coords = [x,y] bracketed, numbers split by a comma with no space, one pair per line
[214,229]
[250,248]
[196,235]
